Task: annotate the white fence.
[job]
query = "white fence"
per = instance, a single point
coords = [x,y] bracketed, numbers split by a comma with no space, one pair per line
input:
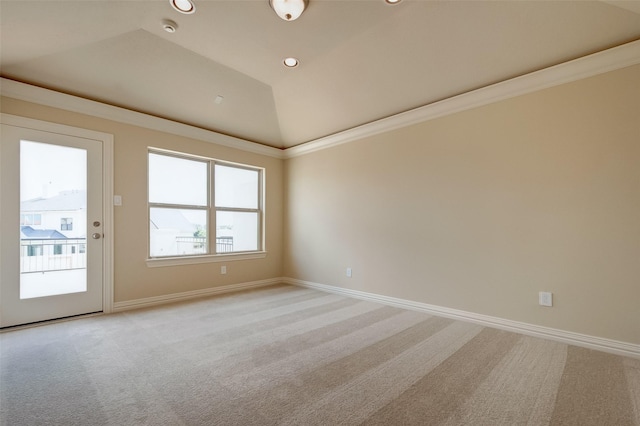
[53,255]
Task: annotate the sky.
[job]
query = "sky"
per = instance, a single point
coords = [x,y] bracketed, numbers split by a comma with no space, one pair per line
[46,170]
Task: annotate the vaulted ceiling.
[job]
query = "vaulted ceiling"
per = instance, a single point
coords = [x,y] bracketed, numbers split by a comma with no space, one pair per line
[360,60]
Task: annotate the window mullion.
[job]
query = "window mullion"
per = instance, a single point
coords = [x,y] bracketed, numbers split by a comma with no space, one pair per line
[211,232]
[237,209]
[177,206]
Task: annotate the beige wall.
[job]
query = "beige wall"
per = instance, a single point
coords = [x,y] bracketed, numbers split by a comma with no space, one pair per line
[132,278]
[481,210]
[476,211]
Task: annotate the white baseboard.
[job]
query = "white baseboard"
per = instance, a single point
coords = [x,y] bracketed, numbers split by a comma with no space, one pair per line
[583,340]
[178,297]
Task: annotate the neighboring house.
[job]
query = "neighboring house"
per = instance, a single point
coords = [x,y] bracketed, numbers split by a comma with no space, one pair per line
[28,233]
[65,212]
[53,232]
[173,234]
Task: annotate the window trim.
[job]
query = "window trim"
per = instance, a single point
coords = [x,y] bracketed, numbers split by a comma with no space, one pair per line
[158,262]
[212,255]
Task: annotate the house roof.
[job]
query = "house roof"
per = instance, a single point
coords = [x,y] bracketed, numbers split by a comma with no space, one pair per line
[360,60]
[28,233]
[64,201]
[170,219]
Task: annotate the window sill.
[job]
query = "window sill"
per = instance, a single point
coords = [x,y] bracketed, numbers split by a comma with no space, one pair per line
[160,262]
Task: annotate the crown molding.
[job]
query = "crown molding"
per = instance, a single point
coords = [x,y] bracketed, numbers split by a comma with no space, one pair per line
[51,98]
[588,66]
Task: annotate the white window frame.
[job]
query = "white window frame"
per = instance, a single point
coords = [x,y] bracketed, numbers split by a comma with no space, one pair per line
[212,255]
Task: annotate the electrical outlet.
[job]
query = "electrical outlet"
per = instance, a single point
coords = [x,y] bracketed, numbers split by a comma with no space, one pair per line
[223,269]
[545,298]
[349,272]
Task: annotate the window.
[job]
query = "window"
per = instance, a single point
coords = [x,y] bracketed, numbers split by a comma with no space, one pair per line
[190,197]
[237,205]
[57,249]
[34,250]
[66,224]
[30,219]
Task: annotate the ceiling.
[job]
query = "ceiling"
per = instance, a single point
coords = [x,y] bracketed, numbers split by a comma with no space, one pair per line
[360,60]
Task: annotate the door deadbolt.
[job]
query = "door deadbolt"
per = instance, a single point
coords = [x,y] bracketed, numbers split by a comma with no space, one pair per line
[96,224]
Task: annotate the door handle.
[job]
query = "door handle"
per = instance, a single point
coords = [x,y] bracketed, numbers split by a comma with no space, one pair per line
[95,236]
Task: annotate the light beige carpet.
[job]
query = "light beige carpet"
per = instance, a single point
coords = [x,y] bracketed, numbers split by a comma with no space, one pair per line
[292,356]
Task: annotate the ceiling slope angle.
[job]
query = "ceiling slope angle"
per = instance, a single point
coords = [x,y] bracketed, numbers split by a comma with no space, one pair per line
[159,78]
[360,61]
[431,51]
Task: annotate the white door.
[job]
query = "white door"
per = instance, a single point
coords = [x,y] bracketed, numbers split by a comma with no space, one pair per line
[51,218]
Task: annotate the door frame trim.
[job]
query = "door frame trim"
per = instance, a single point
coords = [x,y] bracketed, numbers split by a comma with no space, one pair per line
[107,189]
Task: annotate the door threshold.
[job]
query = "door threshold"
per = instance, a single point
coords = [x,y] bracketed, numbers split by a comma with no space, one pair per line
[47,322]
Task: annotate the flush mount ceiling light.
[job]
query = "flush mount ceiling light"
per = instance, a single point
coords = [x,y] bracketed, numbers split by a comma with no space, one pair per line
[183,6]
[289,10]
[392,1]
[291,62]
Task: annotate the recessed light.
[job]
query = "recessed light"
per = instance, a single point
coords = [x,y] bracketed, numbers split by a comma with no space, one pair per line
[183,6]
[169,26]
[291,62]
